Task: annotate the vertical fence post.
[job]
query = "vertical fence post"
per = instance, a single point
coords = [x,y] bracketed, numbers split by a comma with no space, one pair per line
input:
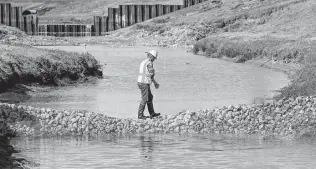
[73,30]
[19,18]
[159,10]
[48,30]
[34,24]
[70,30]
[6,13]
[175,8]
[53,33]
[53,30]
[132,14]
[146,11]
[1,14]
[104,25]
[171,8]
[45,30]
[153,11]
[56,28]
[92,30]
[88,30]
[62,30]
[111,19]
[149,13]
[97,25]
[184,3]
[66,30]
[139,13]
[180,7]
[28,24]
[117,20]
[41,30]
[13,16]
[166,9]
[124,12]
[83,28]
[79,30]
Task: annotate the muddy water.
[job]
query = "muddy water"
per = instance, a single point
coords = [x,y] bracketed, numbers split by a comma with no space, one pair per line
[186,82]
[167,151]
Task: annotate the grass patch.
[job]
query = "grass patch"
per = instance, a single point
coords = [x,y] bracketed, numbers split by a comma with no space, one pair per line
[273,48]
[152,28]
[26,65]
[303,82]
[161,20]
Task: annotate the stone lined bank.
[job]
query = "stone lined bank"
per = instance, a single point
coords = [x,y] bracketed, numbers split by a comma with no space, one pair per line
[284,117]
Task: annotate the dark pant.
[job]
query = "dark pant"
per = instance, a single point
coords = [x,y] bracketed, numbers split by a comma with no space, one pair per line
[147,98]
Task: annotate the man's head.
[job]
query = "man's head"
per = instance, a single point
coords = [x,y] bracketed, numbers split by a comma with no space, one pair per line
[152,55]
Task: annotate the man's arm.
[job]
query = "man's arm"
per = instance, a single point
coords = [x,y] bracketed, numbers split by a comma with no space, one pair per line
[151,71]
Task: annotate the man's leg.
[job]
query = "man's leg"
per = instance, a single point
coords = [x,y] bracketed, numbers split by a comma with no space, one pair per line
[141,110]
[142,104]
[150,105]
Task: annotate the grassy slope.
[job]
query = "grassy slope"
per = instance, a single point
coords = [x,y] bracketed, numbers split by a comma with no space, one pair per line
[21,64]
[251,20]
[78,11]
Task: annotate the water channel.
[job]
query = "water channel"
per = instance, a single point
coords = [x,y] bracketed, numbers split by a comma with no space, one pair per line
[186,82]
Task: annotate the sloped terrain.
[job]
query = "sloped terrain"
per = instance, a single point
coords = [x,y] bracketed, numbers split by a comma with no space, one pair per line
[246,19]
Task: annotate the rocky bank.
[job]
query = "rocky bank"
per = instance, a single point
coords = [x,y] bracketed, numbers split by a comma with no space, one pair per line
[288,117]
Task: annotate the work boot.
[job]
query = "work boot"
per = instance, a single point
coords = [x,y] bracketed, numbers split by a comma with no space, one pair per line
[141,112]
[151,110]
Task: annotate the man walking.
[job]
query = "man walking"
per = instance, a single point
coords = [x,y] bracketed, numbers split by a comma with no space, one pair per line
[145,78]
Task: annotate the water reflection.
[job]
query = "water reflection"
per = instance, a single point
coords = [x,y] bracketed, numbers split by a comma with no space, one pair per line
[146,149]
[166,151]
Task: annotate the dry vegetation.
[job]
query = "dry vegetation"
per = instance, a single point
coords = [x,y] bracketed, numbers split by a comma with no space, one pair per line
[26,65]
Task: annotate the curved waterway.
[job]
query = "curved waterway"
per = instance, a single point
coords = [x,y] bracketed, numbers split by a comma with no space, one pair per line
[187,81]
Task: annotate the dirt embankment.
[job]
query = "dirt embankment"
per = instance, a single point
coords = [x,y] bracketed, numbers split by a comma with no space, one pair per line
[21,64]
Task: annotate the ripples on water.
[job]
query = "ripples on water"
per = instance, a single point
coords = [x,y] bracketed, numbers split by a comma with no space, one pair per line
[167,151]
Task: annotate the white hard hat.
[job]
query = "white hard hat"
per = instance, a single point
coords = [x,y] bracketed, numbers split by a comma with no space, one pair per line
[154,53]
